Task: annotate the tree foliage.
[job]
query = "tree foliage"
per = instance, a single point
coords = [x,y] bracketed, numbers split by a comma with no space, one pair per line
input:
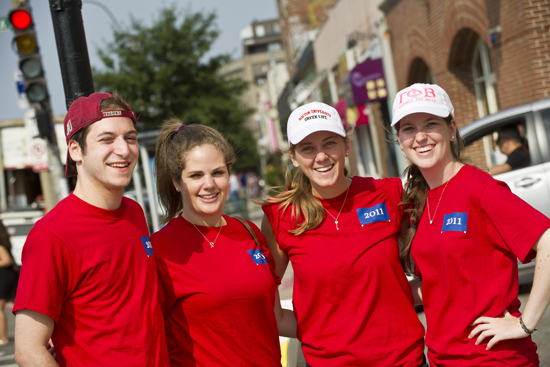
[162,73]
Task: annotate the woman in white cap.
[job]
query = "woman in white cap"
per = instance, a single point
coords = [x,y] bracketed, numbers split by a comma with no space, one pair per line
[351,298]
[467,232]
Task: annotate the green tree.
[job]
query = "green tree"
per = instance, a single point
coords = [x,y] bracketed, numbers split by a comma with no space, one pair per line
[162,73]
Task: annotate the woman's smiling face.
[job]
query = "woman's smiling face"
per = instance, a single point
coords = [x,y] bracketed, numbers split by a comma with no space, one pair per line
[426,140]
[322,157]
[204,184]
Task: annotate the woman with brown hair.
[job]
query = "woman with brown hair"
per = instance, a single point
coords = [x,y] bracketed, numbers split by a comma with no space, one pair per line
[467,232]
[8,280]
[351,298]
[218,281]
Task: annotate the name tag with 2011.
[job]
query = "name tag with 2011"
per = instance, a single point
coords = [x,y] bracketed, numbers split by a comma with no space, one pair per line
[377,213]
[455,222]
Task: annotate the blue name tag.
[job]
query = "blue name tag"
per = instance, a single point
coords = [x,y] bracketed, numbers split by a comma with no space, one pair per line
[257,256]
[456,222]
[147,244]
[377,213]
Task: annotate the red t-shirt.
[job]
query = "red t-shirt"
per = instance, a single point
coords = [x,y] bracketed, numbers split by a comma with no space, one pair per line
[468,263]
[92,271]
[217,301]
[351,298]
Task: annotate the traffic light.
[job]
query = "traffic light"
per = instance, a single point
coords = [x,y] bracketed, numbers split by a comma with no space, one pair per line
[30,62]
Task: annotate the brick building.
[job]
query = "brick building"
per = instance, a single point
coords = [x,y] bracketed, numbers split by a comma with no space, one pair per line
[489,55]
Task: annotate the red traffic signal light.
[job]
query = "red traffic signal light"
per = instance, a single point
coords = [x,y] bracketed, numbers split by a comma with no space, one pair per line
[20,19]
[26,44]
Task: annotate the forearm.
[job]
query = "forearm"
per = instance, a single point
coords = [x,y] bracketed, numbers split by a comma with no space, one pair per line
[34,357]
[501,168]
[539,298]
[416,288]
[286,321]
[32,334]
[287,324]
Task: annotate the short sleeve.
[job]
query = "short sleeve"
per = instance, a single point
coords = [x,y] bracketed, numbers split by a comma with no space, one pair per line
[270,211]
[518,225]
[265,250]
[394,190]
[48,275]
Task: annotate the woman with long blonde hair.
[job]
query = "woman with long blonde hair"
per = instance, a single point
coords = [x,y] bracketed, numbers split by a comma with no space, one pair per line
[351,298]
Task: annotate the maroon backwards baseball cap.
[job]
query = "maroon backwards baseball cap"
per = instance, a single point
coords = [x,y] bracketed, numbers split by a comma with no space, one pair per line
[85,111]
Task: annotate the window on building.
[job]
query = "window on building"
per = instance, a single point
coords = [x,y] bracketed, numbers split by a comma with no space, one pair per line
[484,80]
[259,30]
[420,72]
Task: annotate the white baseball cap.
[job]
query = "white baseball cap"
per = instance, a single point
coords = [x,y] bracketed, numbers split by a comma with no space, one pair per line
[313,117]
[418,98]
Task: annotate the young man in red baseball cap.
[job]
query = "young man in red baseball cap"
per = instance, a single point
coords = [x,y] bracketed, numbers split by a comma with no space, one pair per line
[88,279]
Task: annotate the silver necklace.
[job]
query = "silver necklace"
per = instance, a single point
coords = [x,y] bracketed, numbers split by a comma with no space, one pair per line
[437,207]
[211,243]
[338,216]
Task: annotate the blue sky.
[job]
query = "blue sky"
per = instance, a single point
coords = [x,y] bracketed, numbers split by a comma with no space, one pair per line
[233,16]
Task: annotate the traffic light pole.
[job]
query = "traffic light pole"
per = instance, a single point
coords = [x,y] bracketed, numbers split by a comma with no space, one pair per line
[72,49]
[30,64]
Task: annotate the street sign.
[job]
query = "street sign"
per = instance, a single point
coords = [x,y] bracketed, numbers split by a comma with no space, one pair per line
[5,25]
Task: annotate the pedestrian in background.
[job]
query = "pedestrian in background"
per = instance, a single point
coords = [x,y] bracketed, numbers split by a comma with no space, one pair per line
[219,284]
[253,185]
[467,232]
[89,279]
[235,191]
[351,298]
[8,281]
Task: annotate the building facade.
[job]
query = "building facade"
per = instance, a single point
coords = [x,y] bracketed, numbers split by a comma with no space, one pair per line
[263,67]
[489,55]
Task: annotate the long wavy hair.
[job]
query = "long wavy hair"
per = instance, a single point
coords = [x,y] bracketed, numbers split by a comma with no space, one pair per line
[414,197]
[297,193]
[175,141]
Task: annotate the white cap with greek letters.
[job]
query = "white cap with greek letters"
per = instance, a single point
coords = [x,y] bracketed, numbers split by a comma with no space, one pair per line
[421,98]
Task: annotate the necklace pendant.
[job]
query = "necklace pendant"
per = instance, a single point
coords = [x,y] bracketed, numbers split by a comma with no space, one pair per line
[336,222]
[211,244]
[431,221]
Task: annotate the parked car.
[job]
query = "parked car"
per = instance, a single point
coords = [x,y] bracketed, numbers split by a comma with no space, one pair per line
[531,183]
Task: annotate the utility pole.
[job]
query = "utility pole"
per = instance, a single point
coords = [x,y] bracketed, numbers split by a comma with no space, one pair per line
[72,49]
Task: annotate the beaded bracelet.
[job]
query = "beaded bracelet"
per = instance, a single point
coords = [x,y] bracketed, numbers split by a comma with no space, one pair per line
[525,328]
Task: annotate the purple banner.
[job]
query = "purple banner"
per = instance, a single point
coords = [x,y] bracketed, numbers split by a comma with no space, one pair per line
[367,82]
